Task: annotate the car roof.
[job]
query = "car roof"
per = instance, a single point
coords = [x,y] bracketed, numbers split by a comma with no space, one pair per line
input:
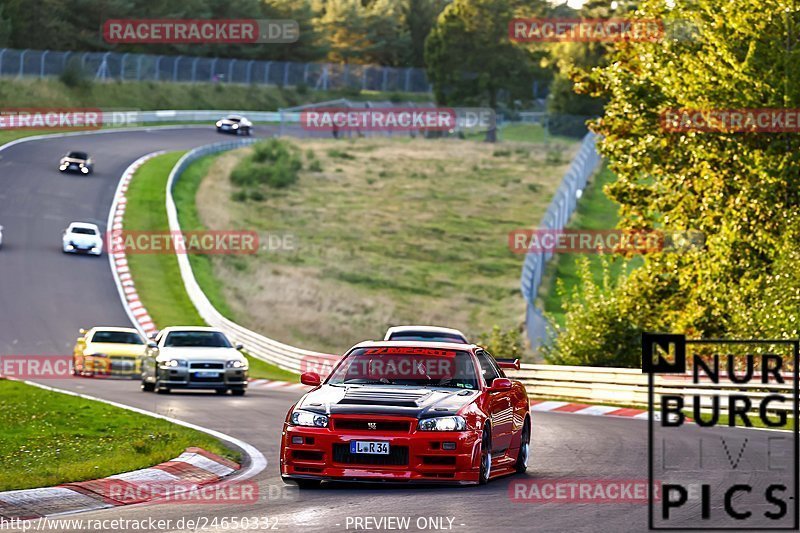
[172,329]
[429,329]
[113,328]
[86,225]
[418,344]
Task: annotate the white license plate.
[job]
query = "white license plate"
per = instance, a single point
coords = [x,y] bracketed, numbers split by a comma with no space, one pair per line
[369,446]
[206,374]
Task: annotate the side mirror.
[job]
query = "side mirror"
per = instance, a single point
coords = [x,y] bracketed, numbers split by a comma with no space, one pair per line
[500,385]
[310,378]
[509,363]
[239,346]
[152,345]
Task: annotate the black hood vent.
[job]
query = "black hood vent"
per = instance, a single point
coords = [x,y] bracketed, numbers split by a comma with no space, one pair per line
[376,396]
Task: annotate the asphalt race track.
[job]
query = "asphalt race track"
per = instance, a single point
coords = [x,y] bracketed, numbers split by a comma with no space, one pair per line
[46,296]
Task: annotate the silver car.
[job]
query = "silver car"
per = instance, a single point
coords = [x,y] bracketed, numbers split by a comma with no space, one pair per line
[193,357]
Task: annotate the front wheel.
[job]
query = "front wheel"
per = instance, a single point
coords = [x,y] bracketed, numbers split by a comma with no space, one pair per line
[486,457]
[148,387]
[524,448]
[238,392]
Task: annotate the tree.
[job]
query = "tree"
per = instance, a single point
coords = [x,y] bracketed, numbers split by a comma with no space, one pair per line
[470,57]
[741,189]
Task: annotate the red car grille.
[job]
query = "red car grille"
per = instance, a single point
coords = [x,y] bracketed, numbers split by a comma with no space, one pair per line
[401,426]
[398,456]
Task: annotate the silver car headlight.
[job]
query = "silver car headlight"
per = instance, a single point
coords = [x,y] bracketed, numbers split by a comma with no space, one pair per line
[234,126]
[174,363]
[236,363]
[443,423]
[307,418]
[219,123]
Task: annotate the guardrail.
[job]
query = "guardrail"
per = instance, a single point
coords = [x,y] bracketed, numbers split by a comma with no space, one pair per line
[628,386]
[563,204]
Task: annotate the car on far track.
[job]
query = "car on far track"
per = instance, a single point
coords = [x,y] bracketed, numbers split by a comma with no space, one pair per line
[236,124]
[408,412]
[82,237]
[425,333]
[76,162]
[193,357]
[108,351]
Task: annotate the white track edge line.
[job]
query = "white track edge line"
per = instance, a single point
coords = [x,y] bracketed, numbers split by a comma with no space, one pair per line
[257,460]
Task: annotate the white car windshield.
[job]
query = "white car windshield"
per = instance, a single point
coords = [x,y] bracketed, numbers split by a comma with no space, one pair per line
[206,339]
[83,231]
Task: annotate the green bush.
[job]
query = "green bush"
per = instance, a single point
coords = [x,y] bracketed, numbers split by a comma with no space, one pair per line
[501,343]
[272,163]
[73,75]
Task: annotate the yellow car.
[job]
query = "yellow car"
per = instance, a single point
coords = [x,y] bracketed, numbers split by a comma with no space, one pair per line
[109,352]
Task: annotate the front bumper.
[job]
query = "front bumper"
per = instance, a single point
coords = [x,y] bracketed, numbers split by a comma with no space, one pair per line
[112,366]
[415,456]
[193,378]
[73,249]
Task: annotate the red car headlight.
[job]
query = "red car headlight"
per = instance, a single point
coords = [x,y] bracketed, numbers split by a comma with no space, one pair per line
[307,418]
[443,423]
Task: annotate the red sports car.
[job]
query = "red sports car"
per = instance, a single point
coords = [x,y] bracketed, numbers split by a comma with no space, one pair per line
[422,412]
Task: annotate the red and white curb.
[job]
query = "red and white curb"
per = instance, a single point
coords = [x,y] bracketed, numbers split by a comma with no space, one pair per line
[274,384]
[586,409]
[192,469]
[117,258]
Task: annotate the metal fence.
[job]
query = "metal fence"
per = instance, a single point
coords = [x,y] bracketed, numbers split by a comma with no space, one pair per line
[558,213]
[146,67]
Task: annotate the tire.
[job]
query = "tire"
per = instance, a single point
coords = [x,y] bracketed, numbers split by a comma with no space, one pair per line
[238,392]
[524,448]
[221,391]
[148,387]
[486,457]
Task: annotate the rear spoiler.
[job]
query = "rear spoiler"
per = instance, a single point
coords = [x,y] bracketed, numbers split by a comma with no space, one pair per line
[510,363]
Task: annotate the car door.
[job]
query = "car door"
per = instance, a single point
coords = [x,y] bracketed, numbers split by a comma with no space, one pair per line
[501,410]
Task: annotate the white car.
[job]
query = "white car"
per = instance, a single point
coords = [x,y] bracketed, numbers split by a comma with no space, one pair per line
[235,124]
[82,237]
[193,357]
[425,333]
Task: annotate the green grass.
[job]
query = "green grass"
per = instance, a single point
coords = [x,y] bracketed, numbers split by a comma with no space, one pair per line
[595,212]
[167,95]
[386,231]
[51,438]
[157,276]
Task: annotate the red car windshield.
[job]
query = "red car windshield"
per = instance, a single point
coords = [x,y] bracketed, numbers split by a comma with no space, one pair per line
[419,367]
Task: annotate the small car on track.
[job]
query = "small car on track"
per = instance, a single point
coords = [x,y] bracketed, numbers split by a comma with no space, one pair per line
[193,357]
[425,333]
[82,237]
[235,124]
[109,351]
[76,162]
[401,412]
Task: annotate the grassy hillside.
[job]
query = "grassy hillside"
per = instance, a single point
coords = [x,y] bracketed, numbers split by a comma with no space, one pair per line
[165,95]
